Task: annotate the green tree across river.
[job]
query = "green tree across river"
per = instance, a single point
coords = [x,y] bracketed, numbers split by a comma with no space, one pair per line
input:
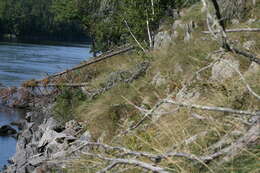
[34,19]
[101,20]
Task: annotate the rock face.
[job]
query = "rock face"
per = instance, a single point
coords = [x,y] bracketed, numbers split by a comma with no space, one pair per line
[249,44]
[43,138]
[15,97]
[7,130]
[163,39]
[158,80]
[224,69]
[253,69]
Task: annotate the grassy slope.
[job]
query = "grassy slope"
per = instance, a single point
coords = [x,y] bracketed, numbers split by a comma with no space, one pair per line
[111,113]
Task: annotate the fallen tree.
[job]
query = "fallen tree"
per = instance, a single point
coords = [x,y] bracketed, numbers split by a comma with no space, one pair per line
[94,60]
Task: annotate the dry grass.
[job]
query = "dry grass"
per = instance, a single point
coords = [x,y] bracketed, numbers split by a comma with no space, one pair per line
[111,113]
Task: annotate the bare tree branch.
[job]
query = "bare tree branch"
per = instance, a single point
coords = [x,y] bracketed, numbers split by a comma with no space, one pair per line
[109,167]
[149,34]
[212,108]
[132,34]
[124,151]
[250,136]
[152,3]
[133,162]
[149,113]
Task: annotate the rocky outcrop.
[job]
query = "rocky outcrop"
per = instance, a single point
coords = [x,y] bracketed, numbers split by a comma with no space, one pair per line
[224,69]
[158,80]
[43,140]
[24,97]
[248,45]
[15,97]
[164,39]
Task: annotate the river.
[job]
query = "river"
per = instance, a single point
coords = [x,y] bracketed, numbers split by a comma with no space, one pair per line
[20,62]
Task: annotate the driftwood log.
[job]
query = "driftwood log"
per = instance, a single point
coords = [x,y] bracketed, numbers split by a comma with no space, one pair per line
[72,85]
[95,60]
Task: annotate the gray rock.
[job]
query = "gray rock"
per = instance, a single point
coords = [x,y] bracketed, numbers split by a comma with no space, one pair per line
[253,69]
[235,21]
[163,39]
[29,168]
[188,96]
[86,136]
[74,125]
[45,140]
[251,21]
[70,132]
[51,124]
[27,135]
[178,24]
[189,28]
[37,160]
[222,71]
[20,157]
[21,124]
[249,44]
[48,137]
[15,97]
[158,80]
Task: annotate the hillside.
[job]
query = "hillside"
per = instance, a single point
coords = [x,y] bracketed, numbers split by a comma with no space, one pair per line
[159,118]
[191,104]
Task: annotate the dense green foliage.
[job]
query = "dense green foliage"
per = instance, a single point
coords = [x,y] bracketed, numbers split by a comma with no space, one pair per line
[102,20]
[105,19]
[33,19]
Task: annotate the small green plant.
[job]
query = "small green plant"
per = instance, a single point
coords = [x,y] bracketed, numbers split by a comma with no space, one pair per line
[66,103]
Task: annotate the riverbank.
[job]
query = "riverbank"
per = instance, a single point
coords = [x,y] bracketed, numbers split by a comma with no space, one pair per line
[23,61]
[44,139]
[8,143]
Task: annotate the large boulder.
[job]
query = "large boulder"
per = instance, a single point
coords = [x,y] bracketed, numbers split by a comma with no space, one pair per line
[158,80]
[225,69]
[249,44]
[254,69]
[164,39]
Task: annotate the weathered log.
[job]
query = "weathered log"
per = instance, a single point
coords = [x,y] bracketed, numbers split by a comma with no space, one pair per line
[249,55]
[73,85]
[211,108]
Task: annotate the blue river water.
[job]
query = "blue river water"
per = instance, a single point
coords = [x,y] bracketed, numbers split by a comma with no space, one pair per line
[20,62]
